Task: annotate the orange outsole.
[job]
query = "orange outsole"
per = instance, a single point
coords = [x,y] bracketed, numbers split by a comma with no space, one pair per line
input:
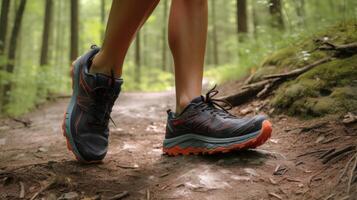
[264,135]
[69,147]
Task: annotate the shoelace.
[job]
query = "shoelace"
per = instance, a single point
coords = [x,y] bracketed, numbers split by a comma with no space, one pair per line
[102,105]
[216,106]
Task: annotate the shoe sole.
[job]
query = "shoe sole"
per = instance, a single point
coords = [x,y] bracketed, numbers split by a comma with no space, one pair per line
[196,144]
[66,129]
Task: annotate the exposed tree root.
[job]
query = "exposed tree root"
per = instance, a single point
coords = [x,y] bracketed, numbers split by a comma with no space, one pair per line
[339,154]
[264,87]
[340,50]
[299,71]
[351,175]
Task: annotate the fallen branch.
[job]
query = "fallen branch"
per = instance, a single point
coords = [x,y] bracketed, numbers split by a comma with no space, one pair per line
[264,91]
[25,122]
[261,88]
[327,153]
[249,91]
[119,196]
[340,49]
[299,71]
[275,195]
[54,181]
[350,177]
[346,168]
[314,126]
[312,152]
[22,190]
[337,153]
[349,118]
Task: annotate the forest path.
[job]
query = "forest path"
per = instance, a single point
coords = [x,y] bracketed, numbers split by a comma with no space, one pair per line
[37,154]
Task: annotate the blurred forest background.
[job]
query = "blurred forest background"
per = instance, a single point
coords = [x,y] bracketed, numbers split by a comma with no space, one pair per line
[40,38]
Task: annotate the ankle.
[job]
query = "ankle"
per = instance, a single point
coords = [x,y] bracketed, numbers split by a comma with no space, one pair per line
[102,66]
[182,103]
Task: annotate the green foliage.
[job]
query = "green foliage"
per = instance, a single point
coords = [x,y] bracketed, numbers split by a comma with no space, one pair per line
[329,88]
[32,86]
[151,79]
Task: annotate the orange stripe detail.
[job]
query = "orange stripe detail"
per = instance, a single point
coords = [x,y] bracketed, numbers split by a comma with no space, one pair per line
[264,135]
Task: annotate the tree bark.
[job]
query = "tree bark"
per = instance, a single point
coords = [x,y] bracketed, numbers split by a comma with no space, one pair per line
[12,49]
[47,24]
[214,33]
[164,41]
[5,6]
[242,18]
[255,20]
[74,29]
[275,10]
[300,11]
[102,19]
[137,59]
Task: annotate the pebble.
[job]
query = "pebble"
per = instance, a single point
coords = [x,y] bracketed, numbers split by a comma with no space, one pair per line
[69,196]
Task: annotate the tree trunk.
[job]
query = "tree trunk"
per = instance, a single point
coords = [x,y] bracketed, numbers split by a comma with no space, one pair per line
[300,11]
[214,34]
[255,20]
[5,6]
[102,19]
[74,29]
[12,49]
[137,59]
[276,13]
[242,21]
[46,32]
[164,42]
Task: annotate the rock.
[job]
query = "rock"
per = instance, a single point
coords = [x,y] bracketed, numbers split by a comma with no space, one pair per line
[251,171]
[42,149]
[349,118]
[240,178]
[51,196]
[2,141]
[69,196]
[320,139]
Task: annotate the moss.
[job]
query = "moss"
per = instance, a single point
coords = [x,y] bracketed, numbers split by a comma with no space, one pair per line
[330,88]
[304,51]
[280,57]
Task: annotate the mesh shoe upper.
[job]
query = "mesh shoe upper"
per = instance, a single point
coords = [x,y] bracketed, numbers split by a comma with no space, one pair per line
[205,116]
[90,116]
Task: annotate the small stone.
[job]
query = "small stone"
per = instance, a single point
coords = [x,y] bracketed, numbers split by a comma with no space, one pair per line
[69,196]
[251,171]
[240,178]
[2,141]
[320,139]
[51,196]
[42,149]
[245,111]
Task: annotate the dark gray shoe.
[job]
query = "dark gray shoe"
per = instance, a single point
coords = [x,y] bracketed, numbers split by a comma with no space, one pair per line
[85,124]
[206,127]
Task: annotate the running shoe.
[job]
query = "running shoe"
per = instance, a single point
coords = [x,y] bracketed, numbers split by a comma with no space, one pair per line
[86,120]
[206,127]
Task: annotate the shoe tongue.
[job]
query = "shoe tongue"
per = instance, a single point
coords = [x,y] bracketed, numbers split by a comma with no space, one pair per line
[194,101]
[197,100]
[102,80]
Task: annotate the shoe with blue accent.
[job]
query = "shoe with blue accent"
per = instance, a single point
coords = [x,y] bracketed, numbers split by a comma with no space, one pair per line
[86,120]
[206,127]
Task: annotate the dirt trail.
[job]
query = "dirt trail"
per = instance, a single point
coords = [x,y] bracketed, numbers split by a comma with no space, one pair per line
[35,155]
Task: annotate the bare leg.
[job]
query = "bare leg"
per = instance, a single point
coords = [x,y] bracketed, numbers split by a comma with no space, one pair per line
[187,40]
[125,18]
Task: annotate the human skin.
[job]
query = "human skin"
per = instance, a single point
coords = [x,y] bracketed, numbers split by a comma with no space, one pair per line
[187,35]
